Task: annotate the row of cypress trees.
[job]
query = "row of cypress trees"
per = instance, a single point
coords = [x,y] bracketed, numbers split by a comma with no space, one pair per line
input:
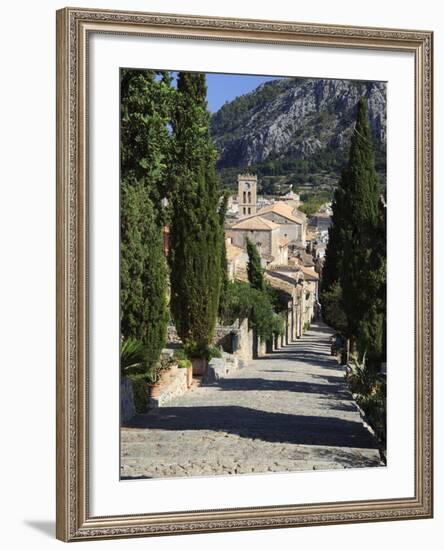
[353,292]
[144,159]
[167,153]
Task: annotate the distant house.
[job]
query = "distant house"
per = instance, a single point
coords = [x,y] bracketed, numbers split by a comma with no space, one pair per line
[265,234]
[292,223]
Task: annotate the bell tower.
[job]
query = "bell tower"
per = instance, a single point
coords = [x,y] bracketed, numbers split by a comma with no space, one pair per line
[247,189]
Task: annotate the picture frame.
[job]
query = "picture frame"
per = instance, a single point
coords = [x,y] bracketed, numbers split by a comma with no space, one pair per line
[75,520]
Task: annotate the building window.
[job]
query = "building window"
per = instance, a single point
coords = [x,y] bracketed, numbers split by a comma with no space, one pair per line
[249,196]
[249,210]
[245,196]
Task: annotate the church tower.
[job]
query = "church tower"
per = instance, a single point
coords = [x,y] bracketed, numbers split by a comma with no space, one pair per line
[247,189]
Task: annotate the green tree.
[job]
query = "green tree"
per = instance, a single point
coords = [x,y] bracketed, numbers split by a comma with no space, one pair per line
[146,103]
[363,269]
[254,267]
[332,308]
[355,260]
[196,233]
[331,281]
[145,146]
[143,272]
[223,253]
[244,301]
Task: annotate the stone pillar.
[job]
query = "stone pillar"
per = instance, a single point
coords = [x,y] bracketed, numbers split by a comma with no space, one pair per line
[295,322]
[288,331]
[262,348]
[276,341]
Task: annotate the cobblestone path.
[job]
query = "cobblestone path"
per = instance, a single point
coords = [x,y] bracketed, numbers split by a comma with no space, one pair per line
[288,411]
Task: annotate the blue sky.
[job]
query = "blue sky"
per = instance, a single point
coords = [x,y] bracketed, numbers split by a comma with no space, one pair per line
[225,87]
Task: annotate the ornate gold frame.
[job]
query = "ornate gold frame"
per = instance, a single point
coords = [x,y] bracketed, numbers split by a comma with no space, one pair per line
[73,519]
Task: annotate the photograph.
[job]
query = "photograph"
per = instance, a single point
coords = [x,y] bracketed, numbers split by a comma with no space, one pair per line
[253,276]
[244,273]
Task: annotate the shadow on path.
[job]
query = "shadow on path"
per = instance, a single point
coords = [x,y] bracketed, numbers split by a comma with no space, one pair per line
[257,424]
[266,384]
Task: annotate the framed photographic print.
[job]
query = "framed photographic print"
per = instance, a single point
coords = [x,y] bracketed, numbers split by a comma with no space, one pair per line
[244,274]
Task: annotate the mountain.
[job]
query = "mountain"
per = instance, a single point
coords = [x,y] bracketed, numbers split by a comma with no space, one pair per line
[296,130]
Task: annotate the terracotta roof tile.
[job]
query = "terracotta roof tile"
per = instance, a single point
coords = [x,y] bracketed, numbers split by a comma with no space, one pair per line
[255,222]
[285,210]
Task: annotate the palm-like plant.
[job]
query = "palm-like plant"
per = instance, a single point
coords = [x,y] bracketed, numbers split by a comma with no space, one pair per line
[359,376]
[133,357]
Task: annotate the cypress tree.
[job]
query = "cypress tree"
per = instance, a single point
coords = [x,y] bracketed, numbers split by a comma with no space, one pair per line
[223,254]
[144,153]
[363,269]
[143,272]
[331,282]
[196,235]
[354,272]
[254,267]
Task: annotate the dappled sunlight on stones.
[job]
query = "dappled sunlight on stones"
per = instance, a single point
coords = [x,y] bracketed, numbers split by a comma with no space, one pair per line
[289,411]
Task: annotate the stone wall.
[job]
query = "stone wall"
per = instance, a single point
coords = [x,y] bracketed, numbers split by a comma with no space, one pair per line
[261,349]
[243,341]
[221,367]
[236,338]
[172,336]
[224,336]
[173,386]
[127,407]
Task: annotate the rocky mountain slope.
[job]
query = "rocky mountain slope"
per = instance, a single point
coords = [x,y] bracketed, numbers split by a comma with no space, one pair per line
[297,126]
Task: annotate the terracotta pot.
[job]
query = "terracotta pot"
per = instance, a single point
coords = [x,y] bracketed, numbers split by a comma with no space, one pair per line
[189,376]
[154,389]
[199,365]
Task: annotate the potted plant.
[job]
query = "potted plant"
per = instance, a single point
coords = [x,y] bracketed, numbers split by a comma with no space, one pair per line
[184,363]
[200,356]
[153,379]
[167,368]
[168,362]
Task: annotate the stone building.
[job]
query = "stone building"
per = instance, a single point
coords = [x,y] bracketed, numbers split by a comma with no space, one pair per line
[302,309]
[265,234]
[292,223]
[237,258]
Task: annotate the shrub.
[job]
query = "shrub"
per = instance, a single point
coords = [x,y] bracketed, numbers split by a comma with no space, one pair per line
[278,325]
[184,364]
[153,375]
[375,407]
[213,352]
[179,353]
[140,392]
[370,391]
[243,301]
[204,352]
